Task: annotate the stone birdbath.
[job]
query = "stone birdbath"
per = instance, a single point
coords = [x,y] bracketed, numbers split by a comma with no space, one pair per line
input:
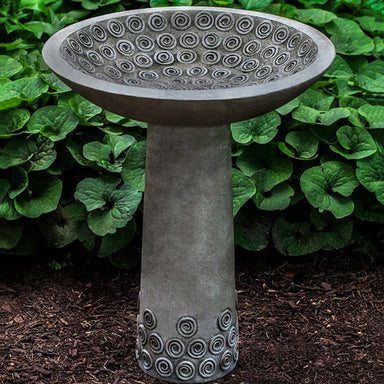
[189,72]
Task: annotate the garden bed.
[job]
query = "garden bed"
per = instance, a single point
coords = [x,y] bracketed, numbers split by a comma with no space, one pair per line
[318,320]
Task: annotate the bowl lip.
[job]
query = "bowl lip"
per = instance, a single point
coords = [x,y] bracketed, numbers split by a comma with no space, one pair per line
[307,75]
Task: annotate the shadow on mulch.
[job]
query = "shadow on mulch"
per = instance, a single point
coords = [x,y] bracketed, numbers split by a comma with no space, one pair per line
[313,320]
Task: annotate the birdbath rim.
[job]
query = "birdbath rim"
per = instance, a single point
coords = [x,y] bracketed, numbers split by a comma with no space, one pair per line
[296,80]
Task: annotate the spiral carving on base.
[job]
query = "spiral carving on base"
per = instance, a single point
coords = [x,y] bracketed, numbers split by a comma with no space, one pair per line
[187,357]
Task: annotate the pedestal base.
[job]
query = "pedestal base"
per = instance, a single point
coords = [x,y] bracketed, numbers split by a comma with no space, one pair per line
[187,326]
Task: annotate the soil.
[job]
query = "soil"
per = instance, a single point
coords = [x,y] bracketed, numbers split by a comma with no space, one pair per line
[313,320]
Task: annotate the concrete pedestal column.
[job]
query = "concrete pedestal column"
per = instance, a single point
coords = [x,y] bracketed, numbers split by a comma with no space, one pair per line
[187,326]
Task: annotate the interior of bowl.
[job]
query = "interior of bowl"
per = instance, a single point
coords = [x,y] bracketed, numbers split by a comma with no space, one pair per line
[190,49]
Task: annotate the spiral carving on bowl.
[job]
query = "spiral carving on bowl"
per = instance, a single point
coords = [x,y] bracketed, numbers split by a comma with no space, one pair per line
[68,53]
[291,66]
[281,59]
[187,57]
[98,32]
[251,48]
[164,367]
[164,58]
[185,370]
[86,65]
[207,368]
[107,52]
[156,343]
[166,41]
[84,39]
[112,72]
[125,66]
[76,47]
[232,337]
[142,334]
[204,20]
[224,21]
[304,48]
[95,58]
[294,40]
[217,344]
[142,60]
[221,74]
[264,29]
[135,24]
[189,40]
[310,56]
[148,75]
[126,48]
[149,319]
[239,79]
[181,20]
[263,72]
[226,360]
[231,60]
[144,43]
[249,65]
[244,25]
[116,28]
[197,348]
[225,320]
[280,35]
[175,348]
[232,43]
[211,40]
[172,71]
[132,82]
[186,326]
[269,53]
[157,22]
[146,359]
[197,71]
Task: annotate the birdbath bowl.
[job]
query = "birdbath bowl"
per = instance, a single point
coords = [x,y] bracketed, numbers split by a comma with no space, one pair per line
[189,72]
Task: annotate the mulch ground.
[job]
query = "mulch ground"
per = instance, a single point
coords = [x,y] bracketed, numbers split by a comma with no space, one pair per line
[314,320]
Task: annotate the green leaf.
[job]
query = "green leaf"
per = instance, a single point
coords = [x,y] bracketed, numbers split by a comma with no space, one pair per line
[19,182]
[113,242]
[305,114]
[314,16]
[55,83]
[255,5]
[367,208]
[4,188]
[252,230]
[330,117]
[278,198]
[316,99]
[328,187]
[11,121]
[339,69]
[296,239]
[355,143]
[42,195]
[370,173]
[182,3]
[371,77]
[352,102]
[53,122]
[348,38]
[289,107]
[261,129]
[61,227]
[9,66]
[133,172]
[243,189]
[9,99]
[301,145]
[371,23]
[10,233]
[83,108]
[374,114]
[27,88]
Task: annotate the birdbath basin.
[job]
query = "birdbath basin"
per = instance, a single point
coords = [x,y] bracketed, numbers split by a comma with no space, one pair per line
[189,72]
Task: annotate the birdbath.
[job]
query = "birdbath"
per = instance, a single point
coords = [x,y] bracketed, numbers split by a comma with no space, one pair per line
[189,72]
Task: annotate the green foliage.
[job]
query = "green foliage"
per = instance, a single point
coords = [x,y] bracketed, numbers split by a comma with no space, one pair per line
[306,177]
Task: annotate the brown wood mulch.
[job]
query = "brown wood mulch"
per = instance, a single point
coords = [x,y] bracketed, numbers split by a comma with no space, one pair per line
[314,320]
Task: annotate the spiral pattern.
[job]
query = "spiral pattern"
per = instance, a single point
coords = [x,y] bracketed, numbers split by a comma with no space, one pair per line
[156,343]
[294,40]
[185,371]
[221,74]
[166,41]
[175,348]
[224,21]
[217,344]
[210,57]
[68,53]
[207,368]
[232,43]
[225,320]
[125,66]
[204,20]
[187,57]
[263,72]
[232,60]
[76,47]
[211,40]
[304,48]
[172,71]
[197,71]
[116,28]
[281,59]
[98,32]
[112,72]
[244,25]
[189,40]
[149,318]
[249,65]
[146,359]
[226,360]
[269,53]
[144,43]
[186,326]
[251,48]
[84,39]
[280,35]
[126,48]
[164,58]
[164,367]
[132,82]
[142,60]
[95,58]
[264,29]
[310,56]
[157,22]
[142,334]
[291,66]
[232,337]
[107,52]
[135,24]
[181,20]
[239,79]
[197,348]
[85,64]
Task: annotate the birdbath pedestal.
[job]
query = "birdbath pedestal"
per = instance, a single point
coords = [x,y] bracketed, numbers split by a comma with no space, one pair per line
[189,72]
